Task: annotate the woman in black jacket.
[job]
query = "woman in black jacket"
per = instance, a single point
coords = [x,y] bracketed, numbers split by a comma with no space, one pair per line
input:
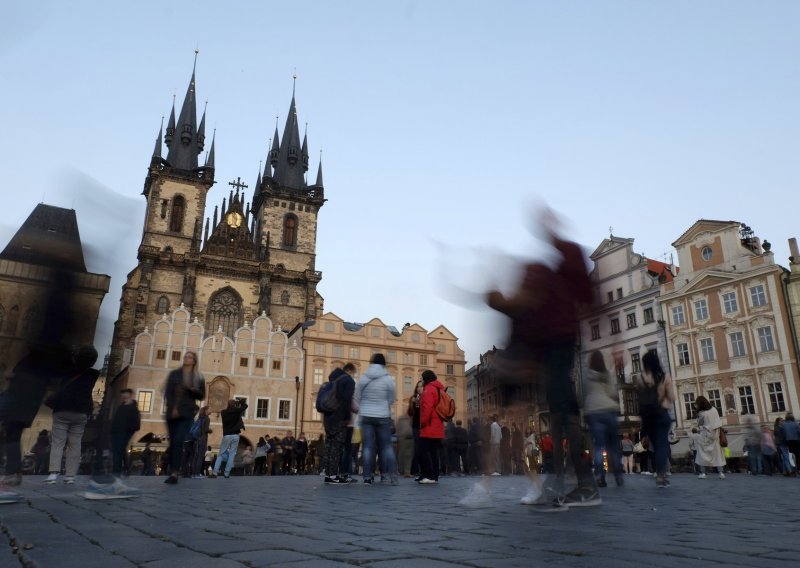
[184,387]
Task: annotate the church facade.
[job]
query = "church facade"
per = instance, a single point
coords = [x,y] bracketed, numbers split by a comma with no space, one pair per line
[225,283]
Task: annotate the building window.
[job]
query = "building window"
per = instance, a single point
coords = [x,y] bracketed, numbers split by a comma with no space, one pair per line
[441,347]
[319,375]
[176,219]
[630,319]
[615,326]
[746,400]
[707,253]
[163,305]
[329,327]
[683,354]
[284,409]
[262,408]
[423,359]
[631,402]
[161,354]
[620,369]
[338,351]
[415,337]
[244,361]
[707,349]
[408,358]
[729,302]
[285,298]
[636,363]
[354,353]
[176,355]
[648,315]
[276,365]
[765,339]
[144,401]
[619,293]
[375,331]
[715,400]
[449,369]
[689,408]
[701,310]
[319,349]
[290,231]
[596,331]
[391,356]
[224,311]
[776,401]
[737,344]
[259,363]
[610,297]
[757,296]
[408,384]
[677,315]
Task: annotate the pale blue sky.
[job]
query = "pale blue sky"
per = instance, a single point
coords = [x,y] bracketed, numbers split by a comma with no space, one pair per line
[439,121]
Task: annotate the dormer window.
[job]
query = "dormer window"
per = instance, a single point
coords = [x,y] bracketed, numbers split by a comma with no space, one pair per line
[706,253]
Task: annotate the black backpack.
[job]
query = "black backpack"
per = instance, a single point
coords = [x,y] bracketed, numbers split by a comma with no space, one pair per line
[327,401]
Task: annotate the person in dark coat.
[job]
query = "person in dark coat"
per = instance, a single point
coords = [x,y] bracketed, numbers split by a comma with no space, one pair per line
[336,424]
[72,405]
[124,424]
[185,386]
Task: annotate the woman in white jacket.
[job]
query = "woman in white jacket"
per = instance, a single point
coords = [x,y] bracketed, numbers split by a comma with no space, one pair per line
[709,451]
[375,393]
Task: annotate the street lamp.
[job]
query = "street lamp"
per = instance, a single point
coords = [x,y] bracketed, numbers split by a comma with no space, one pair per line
[296,405]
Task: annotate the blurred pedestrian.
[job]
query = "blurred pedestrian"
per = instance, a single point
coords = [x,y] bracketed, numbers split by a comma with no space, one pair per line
[656,397]
[261,456]
[769,452]
[124,424]
[601,409]
[475,452]
[375,394]
[248,460]
[791,431]
[198,467]
[405,445]
[627,453]
[709,451]
[413,412]
[301,453]
[184,387]
[41,452]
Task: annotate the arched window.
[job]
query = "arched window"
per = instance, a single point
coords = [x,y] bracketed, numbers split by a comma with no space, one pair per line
[176,219]
[13,318]
[30,322]
[290,231]
[163,305]
[224,309]
[284,297]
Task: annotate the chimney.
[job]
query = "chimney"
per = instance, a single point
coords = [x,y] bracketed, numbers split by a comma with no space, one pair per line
[793,250]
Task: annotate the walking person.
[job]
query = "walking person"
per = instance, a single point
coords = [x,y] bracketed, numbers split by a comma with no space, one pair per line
[791,431]
[769,452]
[627,453]
[458,455]
[232,425]
[709,451]
[431,429]
[124,424]
[72,405]
[261,456]
[656,396]
[198,467]
[495,440]
[600,409]
[185,386]
[783,448]
[248,460]
[336,424]
[375,394]
[413,412]
[301,453]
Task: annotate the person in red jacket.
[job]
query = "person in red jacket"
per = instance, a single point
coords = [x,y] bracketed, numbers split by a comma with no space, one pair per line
[431,429]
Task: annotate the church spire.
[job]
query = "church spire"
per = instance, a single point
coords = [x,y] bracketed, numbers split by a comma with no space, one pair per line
[210,157]
[319,171]
[184,149]
[157,149]
[170,125]
[289,165]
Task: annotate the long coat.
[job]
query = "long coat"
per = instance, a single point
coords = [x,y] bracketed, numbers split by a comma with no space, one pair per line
[709,452]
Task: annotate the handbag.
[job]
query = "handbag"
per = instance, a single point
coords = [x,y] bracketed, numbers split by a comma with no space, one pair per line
[51,400]
[723,438]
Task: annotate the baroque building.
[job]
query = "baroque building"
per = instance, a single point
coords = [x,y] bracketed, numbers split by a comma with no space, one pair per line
[729,328]
[625,317]
[330,342]
[253,257]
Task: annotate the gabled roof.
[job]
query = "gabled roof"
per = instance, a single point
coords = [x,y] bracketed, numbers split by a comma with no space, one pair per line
[444,332]
[709,278]
[704,226]
[610,244]
[48,237]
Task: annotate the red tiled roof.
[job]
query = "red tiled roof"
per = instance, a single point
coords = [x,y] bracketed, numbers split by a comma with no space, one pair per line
[661,269]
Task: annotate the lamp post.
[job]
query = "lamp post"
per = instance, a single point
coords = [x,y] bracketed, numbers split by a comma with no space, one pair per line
[296,404]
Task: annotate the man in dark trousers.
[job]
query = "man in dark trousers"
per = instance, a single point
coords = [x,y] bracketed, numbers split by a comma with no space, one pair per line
[126,421]
[336,424]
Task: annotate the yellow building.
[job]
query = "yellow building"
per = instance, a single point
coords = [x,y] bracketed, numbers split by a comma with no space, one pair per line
[259,364]
[330,342]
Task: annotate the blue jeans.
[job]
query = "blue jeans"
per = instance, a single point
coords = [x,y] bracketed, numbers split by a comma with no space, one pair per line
[754,459]
[656,426]
[604,435]
[380,430]
[227,453]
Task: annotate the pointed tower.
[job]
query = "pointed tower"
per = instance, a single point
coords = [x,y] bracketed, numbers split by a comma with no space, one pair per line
[285,210]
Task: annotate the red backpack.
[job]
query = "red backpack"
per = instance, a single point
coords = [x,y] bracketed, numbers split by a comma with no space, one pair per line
[446,406]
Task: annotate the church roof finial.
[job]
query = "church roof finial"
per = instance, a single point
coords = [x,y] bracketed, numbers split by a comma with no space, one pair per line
[319,171]
[183,154]
[210,157]
[157,149]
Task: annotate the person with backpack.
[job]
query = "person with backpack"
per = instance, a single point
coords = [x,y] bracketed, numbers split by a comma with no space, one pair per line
[656,396]
[201,430]
[431,428]
[374,396]
[335,420]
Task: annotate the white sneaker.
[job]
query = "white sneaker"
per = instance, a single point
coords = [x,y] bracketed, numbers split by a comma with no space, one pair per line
[69,480]
[701,476]
[52,479]
[532,496]
[426,481]
[478,496]
[496,473]
[722,476]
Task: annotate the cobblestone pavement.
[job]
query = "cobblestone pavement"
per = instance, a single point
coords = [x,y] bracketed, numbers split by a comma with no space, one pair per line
[298,522]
